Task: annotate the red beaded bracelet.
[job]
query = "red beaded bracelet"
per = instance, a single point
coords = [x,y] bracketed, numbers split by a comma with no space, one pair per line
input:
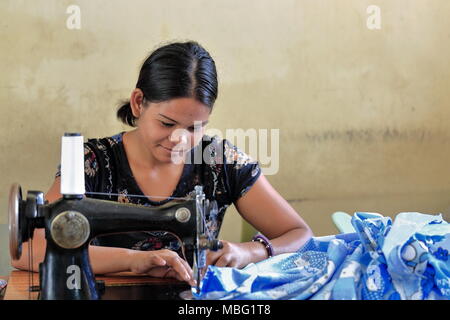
[262,239]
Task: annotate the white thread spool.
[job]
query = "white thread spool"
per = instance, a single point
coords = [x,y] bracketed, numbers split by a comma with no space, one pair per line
[72,165]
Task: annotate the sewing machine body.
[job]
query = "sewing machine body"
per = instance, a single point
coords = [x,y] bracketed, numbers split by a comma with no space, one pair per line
[72,222]
[104,217]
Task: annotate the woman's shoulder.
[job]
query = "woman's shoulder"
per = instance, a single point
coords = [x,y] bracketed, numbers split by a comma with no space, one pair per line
[102,161]
[103,149]
[239,170]
[105,142]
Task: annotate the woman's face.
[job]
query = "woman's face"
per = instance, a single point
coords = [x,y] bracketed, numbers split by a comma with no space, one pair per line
[171,128]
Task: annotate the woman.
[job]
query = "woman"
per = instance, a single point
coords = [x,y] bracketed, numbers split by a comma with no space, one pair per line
[169,109]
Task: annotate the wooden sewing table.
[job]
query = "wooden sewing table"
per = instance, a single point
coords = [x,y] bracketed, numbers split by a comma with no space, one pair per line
[120,286]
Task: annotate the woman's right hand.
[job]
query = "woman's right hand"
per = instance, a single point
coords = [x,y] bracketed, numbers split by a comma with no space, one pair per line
[161,263]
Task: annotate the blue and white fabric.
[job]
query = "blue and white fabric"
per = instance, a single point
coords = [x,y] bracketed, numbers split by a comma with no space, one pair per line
[383,260]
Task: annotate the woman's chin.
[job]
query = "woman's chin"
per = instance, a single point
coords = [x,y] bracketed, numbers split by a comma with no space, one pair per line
[177,157]
[170,156]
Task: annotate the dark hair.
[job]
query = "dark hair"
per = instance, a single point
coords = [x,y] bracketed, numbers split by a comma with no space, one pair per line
[176,70]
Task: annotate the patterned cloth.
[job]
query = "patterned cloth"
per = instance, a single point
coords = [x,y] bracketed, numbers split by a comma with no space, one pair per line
[226,174]
[407,259]
[3,285]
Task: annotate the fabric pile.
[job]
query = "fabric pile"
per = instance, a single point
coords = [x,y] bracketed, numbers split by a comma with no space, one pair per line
[383,260]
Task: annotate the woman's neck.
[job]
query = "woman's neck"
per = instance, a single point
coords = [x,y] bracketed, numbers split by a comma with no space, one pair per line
[138,154]
[140,157]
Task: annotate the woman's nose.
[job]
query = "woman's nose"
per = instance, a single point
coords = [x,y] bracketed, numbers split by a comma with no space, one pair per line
[179,136]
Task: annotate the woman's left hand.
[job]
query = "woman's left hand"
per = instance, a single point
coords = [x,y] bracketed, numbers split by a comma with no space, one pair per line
[235,255]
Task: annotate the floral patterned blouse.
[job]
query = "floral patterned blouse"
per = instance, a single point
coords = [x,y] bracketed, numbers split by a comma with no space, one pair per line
[226,174]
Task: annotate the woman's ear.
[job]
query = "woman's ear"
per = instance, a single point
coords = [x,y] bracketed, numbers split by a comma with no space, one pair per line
[136,102]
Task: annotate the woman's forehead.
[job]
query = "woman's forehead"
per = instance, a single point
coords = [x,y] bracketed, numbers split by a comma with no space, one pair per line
[182,110]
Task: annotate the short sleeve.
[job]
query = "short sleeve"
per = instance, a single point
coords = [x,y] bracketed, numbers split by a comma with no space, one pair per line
[241,170]
[91,169]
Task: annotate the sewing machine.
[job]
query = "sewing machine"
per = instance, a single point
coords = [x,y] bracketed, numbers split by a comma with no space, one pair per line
[71,223]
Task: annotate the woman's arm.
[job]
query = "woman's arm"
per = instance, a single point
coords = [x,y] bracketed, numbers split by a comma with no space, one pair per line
[269,213]
[106,260]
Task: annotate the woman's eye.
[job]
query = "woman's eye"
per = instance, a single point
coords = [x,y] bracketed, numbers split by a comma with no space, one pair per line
[167,124]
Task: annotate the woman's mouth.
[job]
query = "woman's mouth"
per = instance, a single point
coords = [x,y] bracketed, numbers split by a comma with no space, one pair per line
[168,149]
[171,150]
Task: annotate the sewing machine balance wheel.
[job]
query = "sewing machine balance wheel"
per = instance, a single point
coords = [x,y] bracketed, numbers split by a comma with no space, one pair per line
[22,216]
[16,221]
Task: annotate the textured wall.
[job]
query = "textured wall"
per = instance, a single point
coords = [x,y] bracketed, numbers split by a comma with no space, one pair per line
[362,113]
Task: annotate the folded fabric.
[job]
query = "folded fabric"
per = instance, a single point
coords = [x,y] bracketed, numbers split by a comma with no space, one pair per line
[407,259]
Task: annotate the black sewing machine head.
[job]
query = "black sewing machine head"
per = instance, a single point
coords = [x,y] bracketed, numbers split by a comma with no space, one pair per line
[74,220]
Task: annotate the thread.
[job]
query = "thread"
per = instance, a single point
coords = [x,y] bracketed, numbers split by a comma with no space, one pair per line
[72,164]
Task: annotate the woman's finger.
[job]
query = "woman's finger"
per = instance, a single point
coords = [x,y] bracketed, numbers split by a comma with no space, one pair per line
[157,260]
[213,256]
[158,272]
[223,261]
[187,266]
[175,262]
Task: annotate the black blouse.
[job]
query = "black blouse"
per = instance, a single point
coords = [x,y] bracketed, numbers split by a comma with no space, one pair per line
[226,174]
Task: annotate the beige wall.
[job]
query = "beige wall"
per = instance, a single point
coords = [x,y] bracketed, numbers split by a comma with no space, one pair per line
[362,113]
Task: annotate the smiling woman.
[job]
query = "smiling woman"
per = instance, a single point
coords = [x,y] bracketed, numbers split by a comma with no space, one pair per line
[166,127]
[169,109]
